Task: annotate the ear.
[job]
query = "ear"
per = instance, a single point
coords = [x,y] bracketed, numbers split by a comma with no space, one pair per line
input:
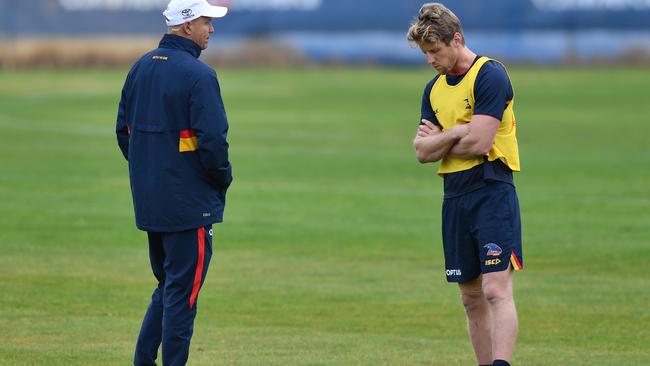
[458,39]
[187,28]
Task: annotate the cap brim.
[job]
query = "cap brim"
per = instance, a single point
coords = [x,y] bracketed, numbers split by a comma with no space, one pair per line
[215,12]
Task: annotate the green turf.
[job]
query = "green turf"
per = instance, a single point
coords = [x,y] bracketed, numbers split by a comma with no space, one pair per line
[330,253]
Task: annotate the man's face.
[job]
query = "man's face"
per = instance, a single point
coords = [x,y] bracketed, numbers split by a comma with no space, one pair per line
[443,57]
[201,31]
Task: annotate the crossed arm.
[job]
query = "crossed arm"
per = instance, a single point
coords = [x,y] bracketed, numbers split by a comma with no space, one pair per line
[467,140]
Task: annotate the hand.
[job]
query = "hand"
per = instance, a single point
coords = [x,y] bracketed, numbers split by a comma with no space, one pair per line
[460,130]
[427,128]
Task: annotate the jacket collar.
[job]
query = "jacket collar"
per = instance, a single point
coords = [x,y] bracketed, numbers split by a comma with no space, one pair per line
[177,42]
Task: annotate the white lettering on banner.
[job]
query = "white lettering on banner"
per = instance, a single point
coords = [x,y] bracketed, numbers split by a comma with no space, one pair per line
[146,5]
[143,5]
[277,5]
[591,5]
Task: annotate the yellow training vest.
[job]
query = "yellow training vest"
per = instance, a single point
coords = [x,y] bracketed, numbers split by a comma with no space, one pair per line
[454,104]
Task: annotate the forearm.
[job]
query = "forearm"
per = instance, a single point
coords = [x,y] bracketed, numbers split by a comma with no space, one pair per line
[479,140]
[123,142]
[215,162]
[467,148]
[434,147]
[122,128]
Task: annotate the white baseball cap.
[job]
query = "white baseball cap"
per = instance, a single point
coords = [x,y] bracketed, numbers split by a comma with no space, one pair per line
[181,11]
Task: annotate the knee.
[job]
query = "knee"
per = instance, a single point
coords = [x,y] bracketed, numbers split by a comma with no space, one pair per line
[472,300]
[495,294]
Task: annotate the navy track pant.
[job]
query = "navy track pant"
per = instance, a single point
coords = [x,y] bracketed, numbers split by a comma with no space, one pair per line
[179,261]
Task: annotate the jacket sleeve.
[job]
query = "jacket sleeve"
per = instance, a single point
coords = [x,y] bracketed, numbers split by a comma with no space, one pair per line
[209,122]
[122,128]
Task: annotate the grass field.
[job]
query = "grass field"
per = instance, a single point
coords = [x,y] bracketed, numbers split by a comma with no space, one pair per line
[330,253]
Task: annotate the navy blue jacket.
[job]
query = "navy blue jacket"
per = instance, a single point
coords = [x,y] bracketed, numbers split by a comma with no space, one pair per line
[172,129]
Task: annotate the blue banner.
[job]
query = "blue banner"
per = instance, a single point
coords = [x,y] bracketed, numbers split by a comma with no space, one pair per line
[362,30]
[268,17]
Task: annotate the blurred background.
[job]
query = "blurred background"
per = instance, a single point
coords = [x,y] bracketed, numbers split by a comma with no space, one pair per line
[330,251]
[290,32]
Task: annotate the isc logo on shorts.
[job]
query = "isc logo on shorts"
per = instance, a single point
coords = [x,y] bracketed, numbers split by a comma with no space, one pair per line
[453,272]
[492,262]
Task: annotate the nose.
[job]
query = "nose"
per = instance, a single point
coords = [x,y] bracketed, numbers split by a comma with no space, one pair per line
[430,58]
[211,29]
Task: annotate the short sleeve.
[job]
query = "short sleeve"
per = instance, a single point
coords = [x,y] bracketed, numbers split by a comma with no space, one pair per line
[492,91]
[427,111]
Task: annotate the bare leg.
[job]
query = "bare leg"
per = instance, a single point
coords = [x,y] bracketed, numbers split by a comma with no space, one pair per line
[497,287]
[479,319]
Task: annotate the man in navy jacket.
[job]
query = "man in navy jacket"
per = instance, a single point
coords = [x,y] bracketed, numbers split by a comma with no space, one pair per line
[172,129]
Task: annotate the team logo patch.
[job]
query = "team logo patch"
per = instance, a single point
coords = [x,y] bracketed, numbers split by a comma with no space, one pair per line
[187,13]
[493,250]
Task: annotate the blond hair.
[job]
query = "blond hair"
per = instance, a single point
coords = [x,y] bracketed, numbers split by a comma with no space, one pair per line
[434,23]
